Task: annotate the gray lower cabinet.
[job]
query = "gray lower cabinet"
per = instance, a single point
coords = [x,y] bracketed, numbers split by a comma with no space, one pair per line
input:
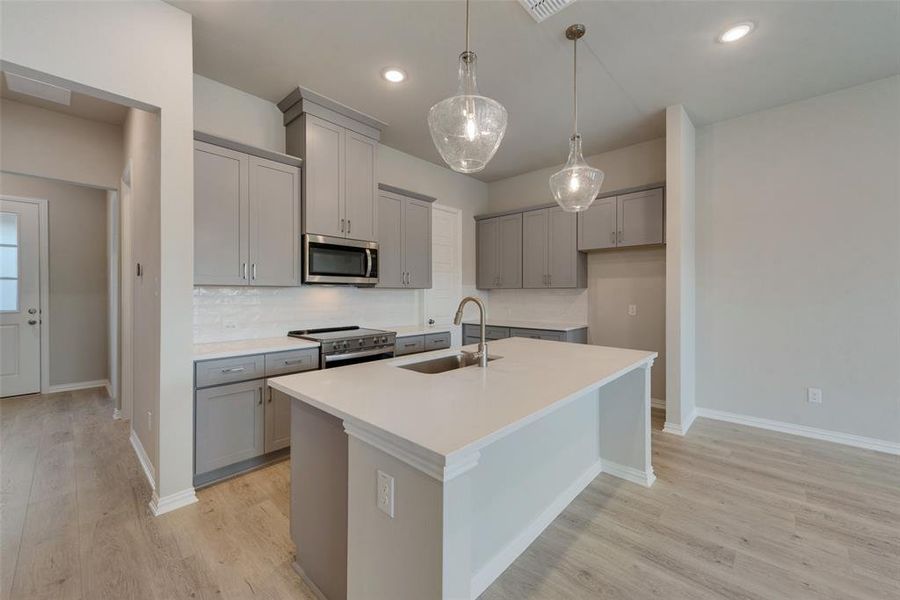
[550,257]
[246,218]
[230,424]
[404,241]
[471,334]
[499,252]
[413,344]
[634,219]
[239,422]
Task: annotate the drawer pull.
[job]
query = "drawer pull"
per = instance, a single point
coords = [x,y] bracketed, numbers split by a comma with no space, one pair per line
[296,361]
[410,345]
[234,370]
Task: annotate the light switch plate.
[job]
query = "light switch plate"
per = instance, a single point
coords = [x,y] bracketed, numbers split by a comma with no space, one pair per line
[814,395]
[632,310]
[385,493]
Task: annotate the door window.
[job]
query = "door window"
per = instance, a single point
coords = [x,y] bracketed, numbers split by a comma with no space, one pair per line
[9,262]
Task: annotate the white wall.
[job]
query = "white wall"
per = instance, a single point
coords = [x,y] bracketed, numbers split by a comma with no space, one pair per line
[229,313]
[798,262]
[230,113]
[46,143]
[104,45]
[78,276]
[680,270]
[616,278]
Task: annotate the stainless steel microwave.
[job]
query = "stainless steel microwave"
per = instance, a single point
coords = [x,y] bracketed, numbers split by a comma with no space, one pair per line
[337,260]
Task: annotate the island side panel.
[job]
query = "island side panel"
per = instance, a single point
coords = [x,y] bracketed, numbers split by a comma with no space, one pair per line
[625,427]
[523,481]
[319,498]
[398,558]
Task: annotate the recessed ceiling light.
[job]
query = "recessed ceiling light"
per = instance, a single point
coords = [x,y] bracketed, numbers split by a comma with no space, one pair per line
[733,34]
[393,74]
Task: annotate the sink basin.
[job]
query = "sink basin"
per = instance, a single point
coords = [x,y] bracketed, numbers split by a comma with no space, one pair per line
[445,363]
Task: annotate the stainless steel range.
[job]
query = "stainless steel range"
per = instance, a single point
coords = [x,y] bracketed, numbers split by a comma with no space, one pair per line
[341,346]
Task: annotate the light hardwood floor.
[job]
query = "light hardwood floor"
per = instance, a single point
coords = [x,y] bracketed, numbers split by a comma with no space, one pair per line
[735,513]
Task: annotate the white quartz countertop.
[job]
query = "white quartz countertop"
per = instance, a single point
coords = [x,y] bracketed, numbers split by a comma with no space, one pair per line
[244,347]
[456,412]
[547,325]
[410,330]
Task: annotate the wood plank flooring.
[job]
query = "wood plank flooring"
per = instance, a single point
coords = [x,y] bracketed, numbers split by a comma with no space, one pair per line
[736,512]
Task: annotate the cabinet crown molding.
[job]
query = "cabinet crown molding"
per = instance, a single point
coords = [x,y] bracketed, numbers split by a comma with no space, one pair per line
[304,100]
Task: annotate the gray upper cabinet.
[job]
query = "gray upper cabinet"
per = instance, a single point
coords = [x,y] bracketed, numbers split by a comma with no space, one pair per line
[550,253]
[641,218]
[499,252]
[597,226]
[246,218]
[339,197]
[404,241]
[221,215]
[634,219]
[229,424]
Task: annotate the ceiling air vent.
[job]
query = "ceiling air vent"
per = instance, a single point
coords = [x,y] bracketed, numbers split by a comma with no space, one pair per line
[542,9]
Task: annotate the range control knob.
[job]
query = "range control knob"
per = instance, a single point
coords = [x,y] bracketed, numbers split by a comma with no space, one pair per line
[360,343]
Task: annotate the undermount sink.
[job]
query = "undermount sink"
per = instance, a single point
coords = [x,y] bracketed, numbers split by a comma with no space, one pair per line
[445,363]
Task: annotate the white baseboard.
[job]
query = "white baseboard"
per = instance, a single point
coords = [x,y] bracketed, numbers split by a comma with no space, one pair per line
[81,385]
[160,506]
[494,567]
[847,439]
[644,478]
[680,428]
[146,464]
[658,403]
[309,582]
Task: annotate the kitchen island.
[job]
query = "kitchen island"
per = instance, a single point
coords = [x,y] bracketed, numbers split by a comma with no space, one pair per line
[468,465]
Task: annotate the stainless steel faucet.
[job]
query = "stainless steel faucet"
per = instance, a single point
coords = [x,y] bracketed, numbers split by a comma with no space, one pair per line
[482,354]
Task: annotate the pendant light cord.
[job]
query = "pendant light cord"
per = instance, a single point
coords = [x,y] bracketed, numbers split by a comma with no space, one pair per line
[467,27]
[575,87]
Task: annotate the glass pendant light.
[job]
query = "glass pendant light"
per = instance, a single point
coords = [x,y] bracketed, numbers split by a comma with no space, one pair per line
[575,186]
[467,128]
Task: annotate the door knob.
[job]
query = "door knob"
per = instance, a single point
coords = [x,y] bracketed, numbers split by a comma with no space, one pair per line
[32,311]
[32,321]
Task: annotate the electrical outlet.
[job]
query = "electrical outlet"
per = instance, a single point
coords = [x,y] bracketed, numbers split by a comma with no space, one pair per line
[632,310]
[814,395]
[385,498]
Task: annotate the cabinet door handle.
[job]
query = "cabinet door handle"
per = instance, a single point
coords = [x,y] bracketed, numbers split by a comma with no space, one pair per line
[296,361]
[243,270]
[234,370]
[620,236]
[254,271]
[612,237]
[260,397]
[349,226]
[342,226]
[269,396]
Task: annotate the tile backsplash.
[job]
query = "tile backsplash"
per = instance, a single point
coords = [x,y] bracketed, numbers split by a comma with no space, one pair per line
[235,313]
[540,305]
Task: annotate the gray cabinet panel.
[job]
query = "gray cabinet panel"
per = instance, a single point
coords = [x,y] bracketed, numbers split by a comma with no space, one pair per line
[491,332]
[597,225]
[562,251]
[323,172]
[417,243]
[221,215]
[471,339]
[510,252]
[538,334]
[640,218]
[409,345]
[229,424]
[359,174]
[391,273]
[274,223]
[292,361]
[278,421]
[229,370]
[437,341]
[487,251]
[534,248]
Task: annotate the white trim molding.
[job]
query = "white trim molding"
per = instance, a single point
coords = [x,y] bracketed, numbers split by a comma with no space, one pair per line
[160,506]
[680,429]
[500,561]
[80,385]
[146,464]
[658,403]
[838,437]
[644,478]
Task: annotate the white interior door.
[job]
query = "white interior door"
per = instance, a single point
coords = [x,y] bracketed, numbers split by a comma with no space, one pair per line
[446,268]
[20,295]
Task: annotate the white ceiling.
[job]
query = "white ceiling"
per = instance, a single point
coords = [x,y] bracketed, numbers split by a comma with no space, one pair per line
[639,57]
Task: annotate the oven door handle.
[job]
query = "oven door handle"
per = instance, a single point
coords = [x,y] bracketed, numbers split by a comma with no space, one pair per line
[368,262]
[335,357]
